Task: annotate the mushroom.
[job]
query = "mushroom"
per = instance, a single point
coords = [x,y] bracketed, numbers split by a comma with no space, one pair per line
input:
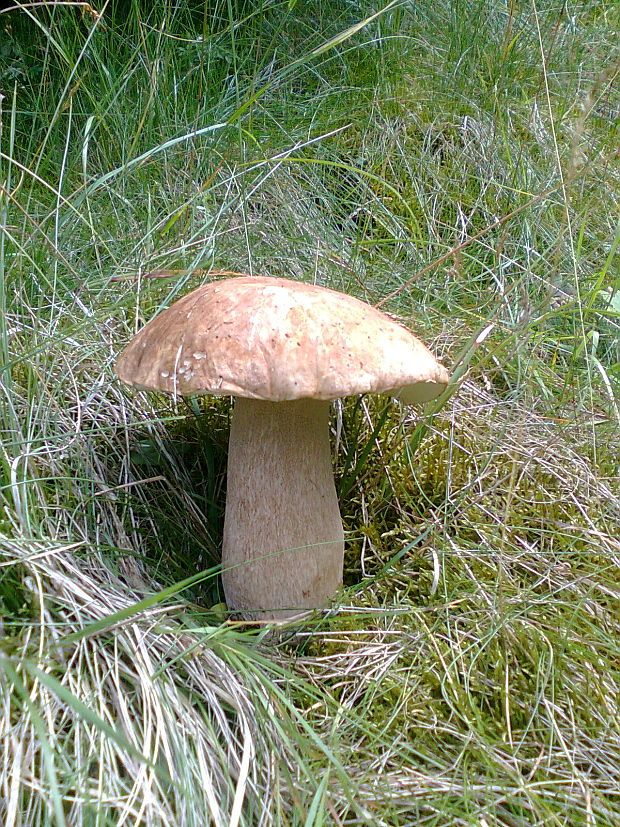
[284,349]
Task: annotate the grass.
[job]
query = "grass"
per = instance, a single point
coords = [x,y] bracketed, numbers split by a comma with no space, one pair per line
[454,162]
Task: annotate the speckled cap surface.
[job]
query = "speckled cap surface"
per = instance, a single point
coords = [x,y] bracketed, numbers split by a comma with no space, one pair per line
[275,339]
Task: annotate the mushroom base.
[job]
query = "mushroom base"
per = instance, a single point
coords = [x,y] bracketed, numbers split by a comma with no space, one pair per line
[283,542]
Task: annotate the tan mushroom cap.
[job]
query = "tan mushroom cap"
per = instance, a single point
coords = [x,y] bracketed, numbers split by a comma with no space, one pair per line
[275,339]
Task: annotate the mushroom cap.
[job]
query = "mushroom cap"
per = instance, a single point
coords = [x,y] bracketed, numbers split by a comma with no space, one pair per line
[275,339]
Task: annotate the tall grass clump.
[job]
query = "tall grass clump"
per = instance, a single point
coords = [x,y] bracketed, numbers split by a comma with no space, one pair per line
[454,163]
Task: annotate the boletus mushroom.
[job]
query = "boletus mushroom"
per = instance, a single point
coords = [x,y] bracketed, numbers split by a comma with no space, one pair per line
[284,349]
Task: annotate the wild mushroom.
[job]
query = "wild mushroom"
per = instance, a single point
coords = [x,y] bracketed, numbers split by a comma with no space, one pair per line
[284,349]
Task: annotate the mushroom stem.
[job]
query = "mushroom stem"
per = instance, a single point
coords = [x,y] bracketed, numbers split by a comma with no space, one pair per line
[283,539]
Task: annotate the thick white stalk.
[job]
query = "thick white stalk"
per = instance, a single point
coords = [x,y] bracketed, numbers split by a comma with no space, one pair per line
[283,538]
